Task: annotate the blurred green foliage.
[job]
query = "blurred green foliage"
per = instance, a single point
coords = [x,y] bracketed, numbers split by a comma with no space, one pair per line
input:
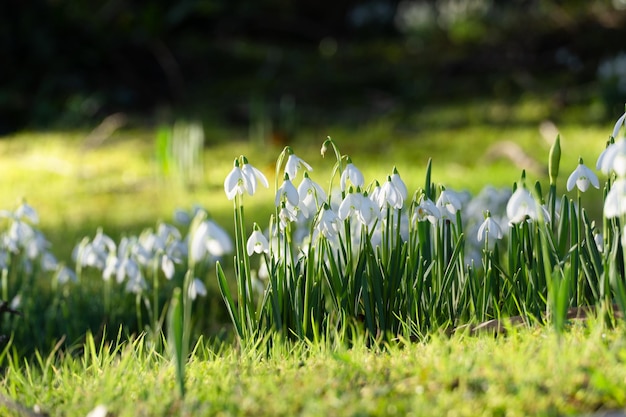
[73,63]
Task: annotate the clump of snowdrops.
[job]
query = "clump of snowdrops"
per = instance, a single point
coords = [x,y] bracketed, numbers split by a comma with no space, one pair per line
[371,257]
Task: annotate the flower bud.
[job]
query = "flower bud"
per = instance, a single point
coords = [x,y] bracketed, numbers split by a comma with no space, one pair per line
[555,159]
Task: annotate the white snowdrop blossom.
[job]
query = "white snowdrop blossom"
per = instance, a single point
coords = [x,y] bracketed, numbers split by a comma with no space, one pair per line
[521,205]
[427,210]
[390,196]
[167,266]
[613,159]
[209,238]
[615,203]
[243,179]
[581,178]
[196,288]
[65,275]
[328,223]
[489,230]
[294,163]
[350,205]
[286,215]
[25,211]
[257,242]
[448,202]
[287,192]
[369,211]
[312,196]
[253,176]
[235,182]
[399,184]
[353,174]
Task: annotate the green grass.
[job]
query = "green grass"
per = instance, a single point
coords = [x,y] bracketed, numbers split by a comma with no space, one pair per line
[528,372]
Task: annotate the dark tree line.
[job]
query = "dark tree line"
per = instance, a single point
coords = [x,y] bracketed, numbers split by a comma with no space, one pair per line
[65,62]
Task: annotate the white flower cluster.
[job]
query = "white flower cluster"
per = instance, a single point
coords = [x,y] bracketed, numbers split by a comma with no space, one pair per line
[613,161]
[130,260]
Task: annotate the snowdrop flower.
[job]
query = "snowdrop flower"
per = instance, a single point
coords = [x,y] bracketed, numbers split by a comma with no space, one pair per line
[257,242]
[582,177]
[448,202]
[196,288]
[235,182]
[65,275]
[24,211]
[489,230]
[521,205]
[350,205]
[615,203]
[253,175]
[427,210]
[209,238]
[242,179]
[294,163]
[311,195]
[390,196]
[167,266]
[287,192]
[136,284]
[613,159]
[353,174]
[369,211]
[328,223]
[287,214]
[399,184]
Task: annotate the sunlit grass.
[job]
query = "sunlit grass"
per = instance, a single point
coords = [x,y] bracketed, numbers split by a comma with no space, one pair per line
[528,372]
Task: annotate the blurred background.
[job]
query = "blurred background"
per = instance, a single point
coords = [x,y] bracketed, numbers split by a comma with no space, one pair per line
[279,64]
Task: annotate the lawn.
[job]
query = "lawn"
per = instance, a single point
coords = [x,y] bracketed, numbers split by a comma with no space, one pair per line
[78,187]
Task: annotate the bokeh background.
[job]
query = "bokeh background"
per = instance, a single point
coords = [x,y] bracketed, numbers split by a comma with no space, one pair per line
[68,64]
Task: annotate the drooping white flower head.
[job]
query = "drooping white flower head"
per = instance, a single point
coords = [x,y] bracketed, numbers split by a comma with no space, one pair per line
[353,174]
[426,210]
[196,288]
[25,211]
[235,182]
[294,163]
[243,178]
[288,213]
[287,192]
[328,224]
[209,238]
[253,176]
[448,203]
[350,205]
[522,205]
[369,211]
[390,196]
[613,159]
[312,196]
[489,230]
[582,177]
[399,184]
[615,202]
[257,242]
